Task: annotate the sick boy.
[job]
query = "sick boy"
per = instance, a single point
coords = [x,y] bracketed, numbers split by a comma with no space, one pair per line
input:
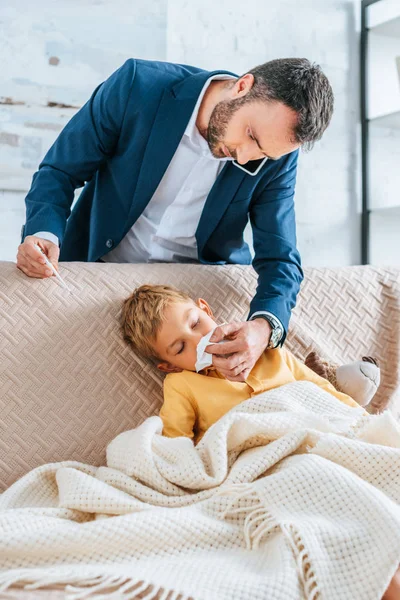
[165,325]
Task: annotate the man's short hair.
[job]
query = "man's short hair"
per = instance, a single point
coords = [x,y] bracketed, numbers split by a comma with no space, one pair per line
[303,87]
[143,313]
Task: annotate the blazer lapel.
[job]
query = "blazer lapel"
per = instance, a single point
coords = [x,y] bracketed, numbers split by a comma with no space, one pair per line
[220,196]
[174,112]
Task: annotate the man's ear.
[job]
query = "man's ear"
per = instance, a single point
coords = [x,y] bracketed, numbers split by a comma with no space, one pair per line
[166,367]
[203,304]
[243,85]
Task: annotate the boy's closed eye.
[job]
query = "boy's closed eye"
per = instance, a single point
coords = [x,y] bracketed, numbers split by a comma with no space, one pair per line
[194,325]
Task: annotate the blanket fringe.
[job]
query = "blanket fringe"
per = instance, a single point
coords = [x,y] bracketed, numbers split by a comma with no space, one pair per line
[303,563]
[124,591]
[120,587]
[234,488]
[103,582]
[259,522]
[238,491]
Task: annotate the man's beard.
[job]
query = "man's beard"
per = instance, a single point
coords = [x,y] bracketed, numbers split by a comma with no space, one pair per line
[219,121]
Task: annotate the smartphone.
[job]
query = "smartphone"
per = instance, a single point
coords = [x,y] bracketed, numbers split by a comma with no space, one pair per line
[253,166]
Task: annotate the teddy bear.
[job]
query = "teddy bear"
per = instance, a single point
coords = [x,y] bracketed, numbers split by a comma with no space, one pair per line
[359,379]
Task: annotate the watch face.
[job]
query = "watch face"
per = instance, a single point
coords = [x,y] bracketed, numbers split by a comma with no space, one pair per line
[275,338]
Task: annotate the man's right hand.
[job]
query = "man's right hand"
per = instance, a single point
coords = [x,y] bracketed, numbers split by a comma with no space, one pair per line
[32,262]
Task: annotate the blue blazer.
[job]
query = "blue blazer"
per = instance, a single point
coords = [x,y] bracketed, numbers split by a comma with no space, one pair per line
[118,147]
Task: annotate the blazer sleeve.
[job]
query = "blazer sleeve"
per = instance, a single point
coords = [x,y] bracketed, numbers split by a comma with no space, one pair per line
[87,140]
[179,410]
[276,258]
[303,373]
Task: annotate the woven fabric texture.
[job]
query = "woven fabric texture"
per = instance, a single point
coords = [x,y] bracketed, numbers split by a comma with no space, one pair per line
[291,495]
[70,384]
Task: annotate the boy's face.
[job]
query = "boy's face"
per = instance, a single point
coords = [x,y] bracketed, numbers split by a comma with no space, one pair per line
[184,325]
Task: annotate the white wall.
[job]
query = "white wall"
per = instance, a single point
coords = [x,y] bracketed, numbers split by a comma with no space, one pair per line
[92,38]
[53,55]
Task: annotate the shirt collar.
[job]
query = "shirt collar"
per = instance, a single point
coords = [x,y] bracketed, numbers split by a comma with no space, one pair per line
[207,370]
[191,131]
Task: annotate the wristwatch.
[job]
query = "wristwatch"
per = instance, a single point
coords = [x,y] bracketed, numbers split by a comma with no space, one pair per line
[277,331]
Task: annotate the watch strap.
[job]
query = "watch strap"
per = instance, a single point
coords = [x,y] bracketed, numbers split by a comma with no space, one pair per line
[276,327]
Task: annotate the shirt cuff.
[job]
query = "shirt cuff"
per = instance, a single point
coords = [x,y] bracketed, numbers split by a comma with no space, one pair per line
[260,313]
[46,235]
[265,312]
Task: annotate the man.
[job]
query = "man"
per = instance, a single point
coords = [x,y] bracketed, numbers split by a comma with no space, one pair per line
[173,160]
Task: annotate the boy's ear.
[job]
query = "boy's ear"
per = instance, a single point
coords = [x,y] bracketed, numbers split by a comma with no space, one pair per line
[166,367]
[203,304]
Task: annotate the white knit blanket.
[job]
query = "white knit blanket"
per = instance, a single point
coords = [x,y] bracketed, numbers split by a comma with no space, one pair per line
[290,495]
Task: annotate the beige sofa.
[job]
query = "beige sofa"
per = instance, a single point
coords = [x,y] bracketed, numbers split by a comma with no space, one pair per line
[70,384]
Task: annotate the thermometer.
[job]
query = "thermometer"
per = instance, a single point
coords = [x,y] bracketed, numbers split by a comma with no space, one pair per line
[48,263]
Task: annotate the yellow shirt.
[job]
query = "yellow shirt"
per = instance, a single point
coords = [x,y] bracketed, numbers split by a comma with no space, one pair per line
[194,401]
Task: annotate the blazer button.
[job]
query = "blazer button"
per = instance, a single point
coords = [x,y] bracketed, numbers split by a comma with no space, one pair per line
[109,243]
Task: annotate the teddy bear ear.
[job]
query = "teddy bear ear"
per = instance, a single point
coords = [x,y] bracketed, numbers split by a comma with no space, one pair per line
[312,359]
[314,362]
[369,359]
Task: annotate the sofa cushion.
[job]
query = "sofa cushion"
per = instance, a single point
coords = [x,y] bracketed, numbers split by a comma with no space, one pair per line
[70,384]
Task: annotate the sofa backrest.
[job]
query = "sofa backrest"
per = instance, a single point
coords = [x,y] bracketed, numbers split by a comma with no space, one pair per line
[70,384]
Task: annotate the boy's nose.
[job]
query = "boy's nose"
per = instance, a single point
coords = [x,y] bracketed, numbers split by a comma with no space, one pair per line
[197,335]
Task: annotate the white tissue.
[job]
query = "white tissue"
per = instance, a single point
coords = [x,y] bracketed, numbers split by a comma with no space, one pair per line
[204,359]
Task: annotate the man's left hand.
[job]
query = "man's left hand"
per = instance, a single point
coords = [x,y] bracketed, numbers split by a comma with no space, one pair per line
[235,358]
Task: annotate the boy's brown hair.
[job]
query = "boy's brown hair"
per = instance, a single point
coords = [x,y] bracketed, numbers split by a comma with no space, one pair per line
[143,313]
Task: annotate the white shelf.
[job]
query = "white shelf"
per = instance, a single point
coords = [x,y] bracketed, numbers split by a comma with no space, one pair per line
[387,211]
[383,79]
[384,237]
[383,102]
[391,120]
[384,172]
[384,18]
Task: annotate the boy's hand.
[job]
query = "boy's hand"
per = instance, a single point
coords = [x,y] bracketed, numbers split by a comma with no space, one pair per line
[31,261]
[235,358]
